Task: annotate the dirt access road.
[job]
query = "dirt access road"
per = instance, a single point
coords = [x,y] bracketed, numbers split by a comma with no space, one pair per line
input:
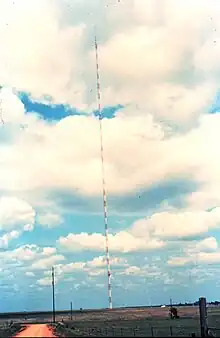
[36,330]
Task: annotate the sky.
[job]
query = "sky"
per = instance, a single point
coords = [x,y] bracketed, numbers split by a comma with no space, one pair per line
[159,74]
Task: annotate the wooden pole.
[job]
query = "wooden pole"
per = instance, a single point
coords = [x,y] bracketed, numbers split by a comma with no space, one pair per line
[171,331]
[152,331]
[71,310]
[203,317]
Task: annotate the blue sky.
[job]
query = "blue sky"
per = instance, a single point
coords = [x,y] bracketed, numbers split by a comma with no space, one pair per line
[59,111]
[160,103]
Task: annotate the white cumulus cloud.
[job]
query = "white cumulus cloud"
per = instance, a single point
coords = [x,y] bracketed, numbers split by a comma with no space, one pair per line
[6,238]
[48,262]
[177,223]
[205,251]
[49,219]
[16,214]
[120,242]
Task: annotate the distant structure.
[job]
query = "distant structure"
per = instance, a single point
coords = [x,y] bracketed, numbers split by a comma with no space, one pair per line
[103,175]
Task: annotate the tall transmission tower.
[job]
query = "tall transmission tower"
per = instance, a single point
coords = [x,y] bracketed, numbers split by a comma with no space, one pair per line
[53,295]
[103,175]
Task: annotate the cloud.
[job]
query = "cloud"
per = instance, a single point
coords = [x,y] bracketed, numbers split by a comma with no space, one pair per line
[6,238]
[177,224]
[95,266]
[29,274]
[47,251]
[26,253]
[178,261]
[90,268]
[166,65]
[48,262]
[133,270]
[150,272]
[79,161]
[46,281]
[200,258]
[50,219]
[207,244]
[150,233]
[122,241]
[63,151]
[154,65]
[100,261]
[54,52]
[54,142]
[36,262]
[12,107]
[16,214]
[205,251]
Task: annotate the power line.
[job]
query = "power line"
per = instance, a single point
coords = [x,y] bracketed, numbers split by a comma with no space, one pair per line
[103,175]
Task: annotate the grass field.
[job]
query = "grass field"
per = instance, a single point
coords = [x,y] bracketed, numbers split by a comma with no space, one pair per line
[138,322]
[154,322]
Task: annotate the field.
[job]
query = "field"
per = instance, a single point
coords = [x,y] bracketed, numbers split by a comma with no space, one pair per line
[129,322]
[145,322]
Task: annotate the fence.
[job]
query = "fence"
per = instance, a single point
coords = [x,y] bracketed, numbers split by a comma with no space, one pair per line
[213,320]
[144,331]
[172,331]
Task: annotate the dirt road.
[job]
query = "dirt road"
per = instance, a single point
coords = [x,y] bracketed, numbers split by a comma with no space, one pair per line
[36,330]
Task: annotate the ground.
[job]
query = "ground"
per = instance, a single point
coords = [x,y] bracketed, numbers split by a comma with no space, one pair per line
[147,322]
[142,322]
[7,330]
[36,330]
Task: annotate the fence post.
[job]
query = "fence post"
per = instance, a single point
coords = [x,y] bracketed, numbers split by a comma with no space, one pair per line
[171,331]
[152,331]
[203,317]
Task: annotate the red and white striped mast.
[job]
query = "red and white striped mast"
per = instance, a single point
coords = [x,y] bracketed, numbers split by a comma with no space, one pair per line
[103,175]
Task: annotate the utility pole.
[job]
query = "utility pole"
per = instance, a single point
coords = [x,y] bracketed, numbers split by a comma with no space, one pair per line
[53,293]
[71,310]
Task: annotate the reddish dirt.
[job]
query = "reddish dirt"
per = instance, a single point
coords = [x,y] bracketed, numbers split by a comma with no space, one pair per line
[36,330]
